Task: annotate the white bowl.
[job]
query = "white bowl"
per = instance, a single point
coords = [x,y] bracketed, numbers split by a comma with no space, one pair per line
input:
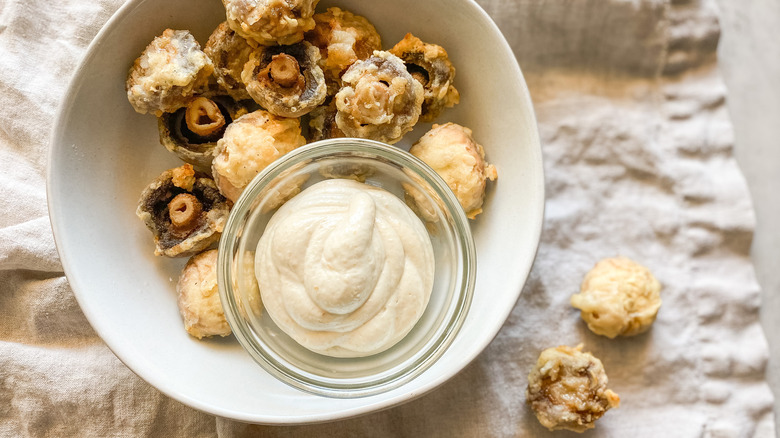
[103,154]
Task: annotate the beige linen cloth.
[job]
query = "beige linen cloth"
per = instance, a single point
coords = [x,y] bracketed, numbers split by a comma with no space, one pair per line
[638,158]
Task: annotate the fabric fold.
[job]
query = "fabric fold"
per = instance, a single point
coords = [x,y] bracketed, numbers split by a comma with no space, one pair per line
[639,161]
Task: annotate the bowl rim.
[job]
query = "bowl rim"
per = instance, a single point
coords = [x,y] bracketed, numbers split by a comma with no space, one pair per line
[446,331]
[157,380]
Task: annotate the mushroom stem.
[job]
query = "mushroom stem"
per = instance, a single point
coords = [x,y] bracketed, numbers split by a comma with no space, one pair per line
[418,73]
[203,117]
[284,70]
[184,210]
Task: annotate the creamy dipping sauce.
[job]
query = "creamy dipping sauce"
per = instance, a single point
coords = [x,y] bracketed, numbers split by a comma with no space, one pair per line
[345,268]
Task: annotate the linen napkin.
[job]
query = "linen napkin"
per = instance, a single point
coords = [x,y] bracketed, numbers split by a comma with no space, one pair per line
[638,152]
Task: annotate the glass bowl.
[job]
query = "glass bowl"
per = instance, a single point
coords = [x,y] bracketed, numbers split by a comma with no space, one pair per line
[377,164]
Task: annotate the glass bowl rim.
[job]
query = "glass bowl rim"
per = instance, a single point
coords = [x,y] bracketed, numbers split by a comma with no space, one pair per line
[462,297]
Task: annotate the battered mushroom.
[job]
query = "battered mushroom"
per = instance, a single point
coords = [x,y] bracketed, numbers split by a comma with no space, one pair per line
[430,65]
[322,123]
[342,38]
[269,22]
[251,143]
[285,80]
[452,152]
[228,52]
[567,389]
[192,132]
[198,297]
[168,73]
[618,297]
[379,99]
[184,211]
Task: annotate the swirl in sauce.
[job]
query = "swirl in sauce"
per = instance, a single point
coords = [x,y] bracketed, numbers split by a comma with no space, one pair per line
[345,268]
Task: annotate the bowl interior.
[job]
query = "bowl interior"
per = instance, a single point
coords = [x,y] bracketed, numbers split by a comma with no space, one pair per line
[103,154]
[378,165]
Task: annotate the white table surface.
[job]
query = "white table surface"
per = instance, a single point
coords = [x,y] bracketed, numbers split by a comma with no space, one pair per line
[749,57]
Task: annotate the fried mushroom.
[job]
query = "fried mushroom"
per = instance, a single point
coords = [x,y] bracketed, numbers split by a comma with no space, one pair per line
[184,211]
[567,389]
[269,22]
[379,99]
[453,153]
[229,52]
[192,132]
[249,145]
[618,297]
[430,65]
[285,80]
[198,297]
[168,73]
[343,38]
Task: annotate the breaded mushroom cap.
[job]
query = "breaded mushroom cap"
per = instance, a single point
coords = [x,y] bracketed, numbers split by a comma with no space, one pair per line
[249,145]
[453,153]
[343,38]
[618,297]
[269,22]
[168,73]
[567,389]
[198,297]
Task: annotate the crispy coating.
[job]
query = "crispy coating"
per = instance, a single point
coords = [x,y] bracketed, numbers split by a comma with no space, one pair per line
[183,177]
[268,22]
[430,65]
[379,99]
[452,152]
[296,93]
[168,73]
[198,297]
[343,38]
[249,145]
[567,389]
[228,52]
[618,297]
[209,214]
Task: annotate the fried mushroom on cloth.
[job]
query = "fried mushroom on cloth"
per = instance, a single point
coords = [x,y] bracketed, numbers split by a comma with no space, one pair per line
[567,389]
[322,123]
[168,73]
[379,99]
[343,38]
[618,297]
[269,22]
[228,52]
[198,297]
[192,132]
[285,80]
[249,145]
[430,65]
[184,211]
[453,153]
